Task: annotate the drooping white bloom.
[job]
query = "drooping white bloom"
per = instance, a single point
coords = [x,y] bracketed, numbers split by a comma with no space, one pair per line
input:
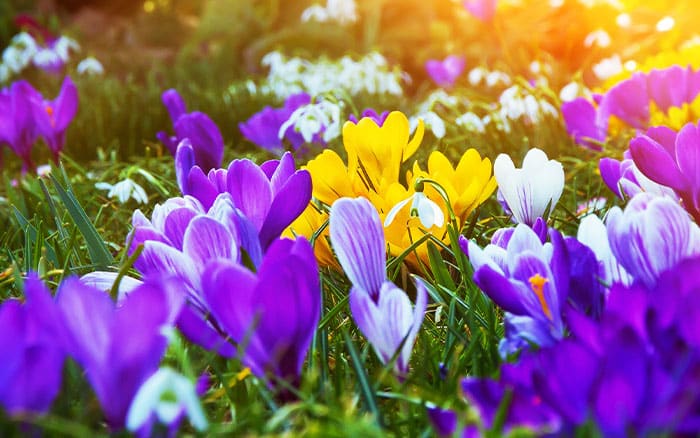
[90,66]
[167,394]
[598,38]
[530,190]
[432,121]
[608,67]
[123,190]
[20,52]
[340,11]
[429,213]
[322,118]
[570,91]
[472,122]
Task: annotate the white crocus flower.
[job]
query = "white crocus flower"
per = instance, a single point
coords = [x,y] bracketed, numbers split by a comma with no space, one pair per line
[90,66]
[528,191]
[427,211]
[593,233]
[167,394]
[123,190]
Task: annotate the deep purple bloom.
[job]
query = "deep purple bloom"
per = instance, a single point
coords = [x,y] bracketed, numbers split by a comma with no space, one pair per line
[484,10]
[52,117]
[31,357]
[372,114]
[652,235]
[528,279]
[444,421]
[672,160]
[635,371]
[204,136]
[263,127]
[580,118]
[17,126]
[444,73]
[119,347]
[382,311]
[273,313]
[271,195]
[625,180]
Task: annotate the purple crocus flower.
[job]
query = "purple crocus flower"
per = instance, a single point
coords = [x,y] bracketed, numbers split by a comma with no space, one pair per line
[181,238]
[528,279]
[382,311]
[624,178]
[483,10]
[635,371]
[17,126]
[444,73]
[31,358]
[263,127]
[52,117]
[579,117]
[271,195]
[672,160]
[273,313]
[119,347]
[372,114]
[651,235]
[204,136]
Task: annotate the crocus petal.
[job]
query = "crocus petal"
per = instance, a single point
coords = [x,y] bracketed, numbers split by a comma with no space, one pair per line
[655,162]
[357,237]
[184,161]
[250,189]
[291,200]
[207,239]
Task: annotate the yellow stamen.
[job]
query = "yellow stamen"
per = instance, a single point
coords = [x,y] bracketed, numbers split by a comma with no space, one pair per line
[537,284]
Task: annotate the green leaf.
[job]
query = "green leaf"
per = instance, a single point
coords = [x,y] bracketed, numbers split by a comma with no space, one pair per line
[99,254]
[362,378]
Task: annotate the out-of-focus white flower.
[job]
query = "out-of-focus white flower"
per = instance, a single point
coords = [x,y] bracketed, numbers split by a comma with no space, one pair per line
[517,103]
[5,73]
[570,91]
[90,66]
[432,121]
[530,190]
[624,20]
[167,394]
[20,52]
[598,37]
[665,24]
[608,67]
[123,190]
[43,170]
[340,11]
[472,122]
[322,118]
[427,211]
[371,74]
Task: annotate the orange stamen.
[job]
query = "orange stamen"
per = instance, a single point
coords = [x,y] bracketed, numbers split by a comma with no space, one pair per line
[537,284]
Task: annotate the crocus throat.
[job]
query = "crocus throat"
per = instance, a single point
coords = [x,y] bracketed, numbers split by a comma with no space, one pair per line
[49,111]
[537,284]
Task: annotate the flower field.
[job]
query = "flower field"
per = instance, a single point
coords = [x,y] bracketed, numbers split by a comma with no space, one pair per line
[351,218]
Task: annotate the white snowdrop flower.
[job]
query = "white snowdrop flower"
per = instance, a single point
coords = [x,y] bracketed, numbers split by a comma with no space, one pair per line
[608,67]
[427,211]
[315,118]
[529,190]
[497,77]
[570,91]
[167,394]
[476,75]
[665,24]
[20,52]
[340,11]
[432,121]
[548,109]
[624,20]
[598,37]
[90,66]
[630,65]
[123,190]
[43,170]
[472,122]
